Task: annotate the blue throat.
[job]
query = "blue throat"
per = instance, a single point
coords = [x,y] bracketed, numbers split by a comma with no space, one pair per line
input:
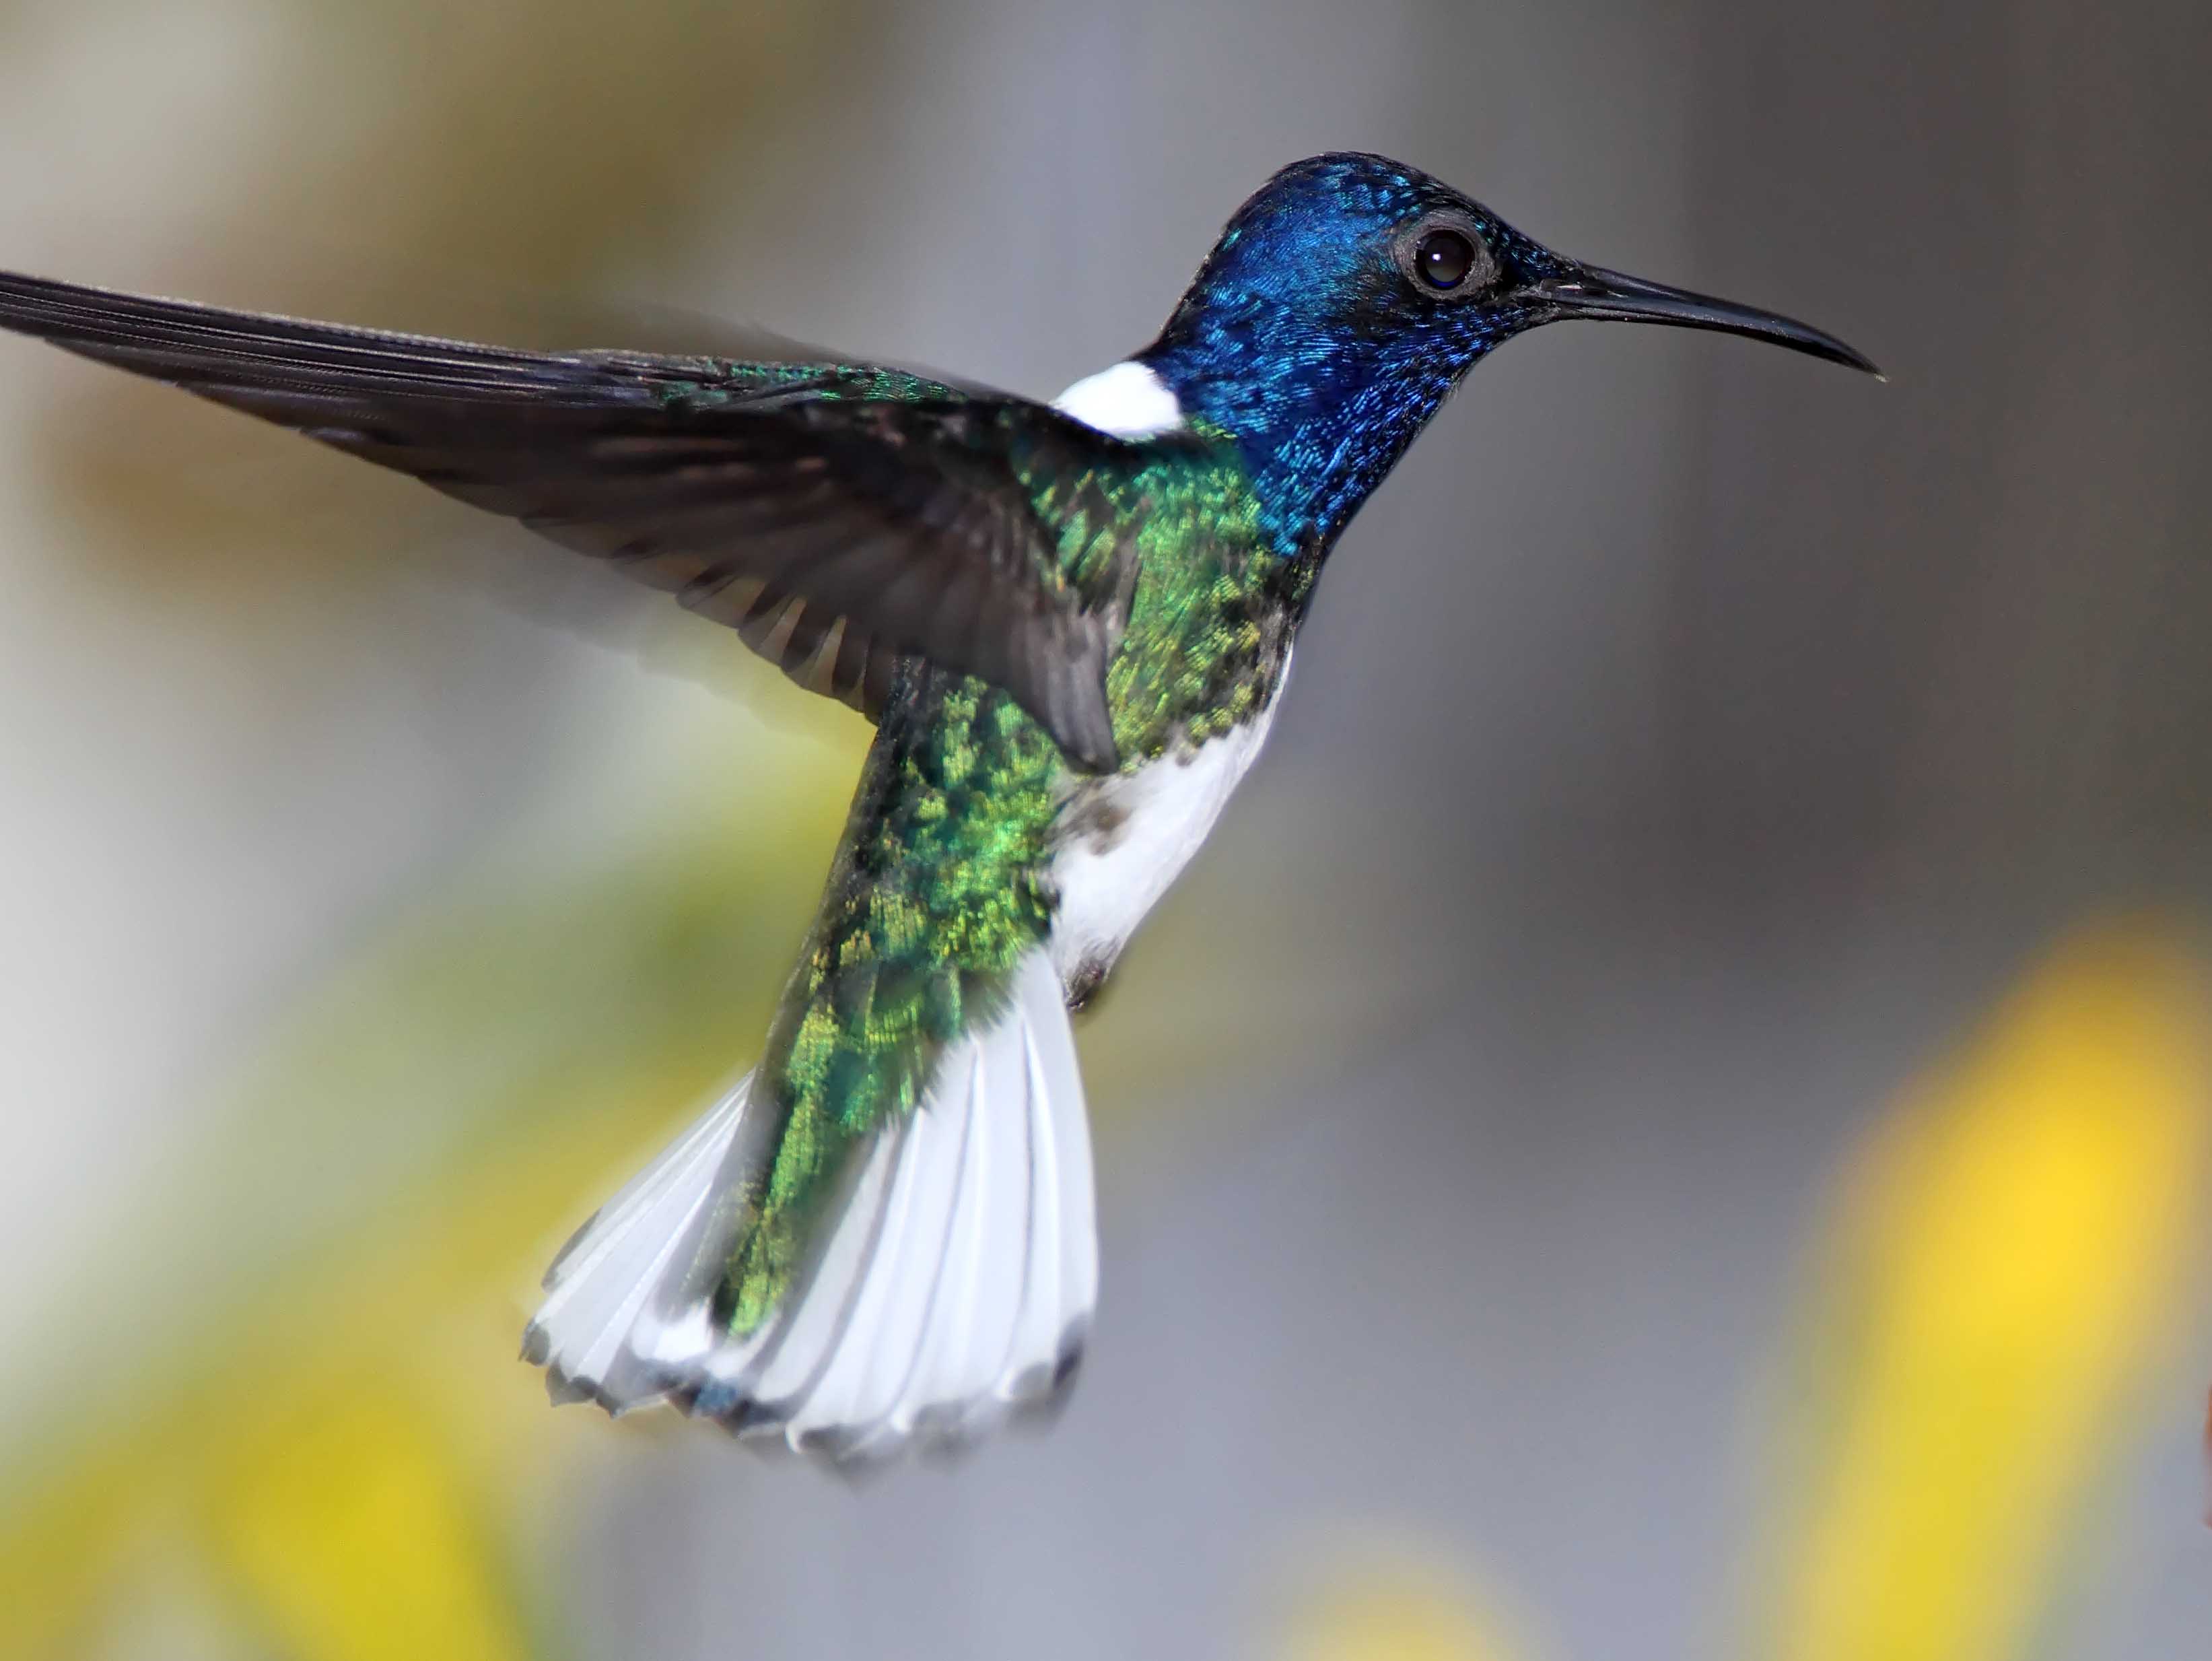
[1320,417]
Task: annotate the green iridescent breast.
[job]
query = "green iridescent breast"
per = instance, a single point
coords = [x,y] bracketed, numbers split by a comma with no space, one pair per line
[942,882]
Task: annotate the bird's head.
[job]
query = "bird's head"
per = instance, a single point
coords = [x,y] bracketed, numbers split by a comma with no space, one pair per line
[1349,296]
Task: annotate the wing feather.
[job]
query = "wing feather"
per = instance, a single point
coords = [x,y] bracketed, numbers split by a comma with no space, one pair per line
[839,516]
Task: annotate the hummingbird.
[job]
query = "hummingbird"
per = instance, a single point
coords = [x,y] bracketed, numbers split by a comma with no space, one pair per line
[1071,625]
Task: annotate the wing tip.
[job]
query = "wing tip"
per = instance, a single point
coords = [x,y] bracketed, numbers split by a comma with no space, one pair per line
[1083,727]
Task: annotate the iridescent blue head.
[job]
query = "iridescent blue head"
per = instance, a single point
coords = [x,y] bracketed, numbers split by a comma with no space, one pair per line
[1347,299]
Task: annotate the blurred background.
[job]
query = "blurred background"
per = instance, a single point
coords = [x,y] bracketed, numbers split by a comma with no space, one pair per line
[1674,1118]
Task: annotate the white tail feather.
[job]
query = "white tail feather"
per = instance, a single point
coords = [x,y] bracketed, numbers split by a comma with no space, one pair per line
[955,1284]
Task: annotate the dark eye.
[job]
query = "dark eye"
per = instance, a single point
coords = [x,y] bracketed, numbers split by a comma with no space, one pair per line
[1442,254]
[1443,257]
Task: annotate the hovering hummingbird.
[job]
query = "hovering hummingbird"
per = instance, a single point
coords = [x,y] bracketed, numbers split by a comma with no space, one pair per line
[1071,625]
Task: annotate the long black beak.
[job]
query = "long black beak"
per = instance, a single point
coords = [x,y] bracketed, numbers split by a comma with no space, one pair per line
[1589,291]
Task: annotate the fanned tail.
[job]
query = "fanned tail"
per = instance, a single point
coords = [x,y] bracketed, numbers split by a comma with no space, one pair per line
[954,1284]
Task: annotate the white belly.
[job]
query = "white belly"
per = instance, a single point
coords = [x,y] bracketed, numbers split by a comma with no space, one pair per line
[1123,840]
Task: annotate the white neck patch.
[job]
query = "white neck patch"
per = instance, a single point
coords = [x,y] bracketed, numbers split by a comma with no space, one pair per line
[1127,400]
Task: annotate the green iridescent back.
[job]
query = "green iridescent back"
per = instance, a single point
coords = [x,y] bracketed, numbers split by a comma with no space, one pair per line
[942,882]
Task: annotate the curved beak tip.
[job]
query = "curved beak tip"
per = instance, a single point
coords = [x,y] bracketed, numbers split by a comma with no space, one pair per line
[1864,364]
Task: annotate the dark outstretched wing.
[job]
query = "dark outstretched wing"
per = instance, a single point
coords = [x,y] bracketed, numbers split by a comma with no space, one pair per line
[839,517]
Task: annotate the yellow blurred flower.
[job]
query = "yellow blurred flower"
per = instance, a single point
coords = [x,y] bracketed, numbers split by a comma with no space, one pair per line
[2002,1273]
[344,1461]
[354,1536]
[1392,1601]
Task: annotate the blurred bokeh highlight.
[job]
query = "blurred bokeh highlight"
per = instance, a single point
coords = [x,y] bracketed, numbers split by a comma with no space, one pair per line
[1674,1120]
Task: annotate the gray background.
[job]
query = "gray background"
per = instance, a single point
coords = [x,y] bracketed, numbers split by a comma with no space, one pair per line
[1687,743]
